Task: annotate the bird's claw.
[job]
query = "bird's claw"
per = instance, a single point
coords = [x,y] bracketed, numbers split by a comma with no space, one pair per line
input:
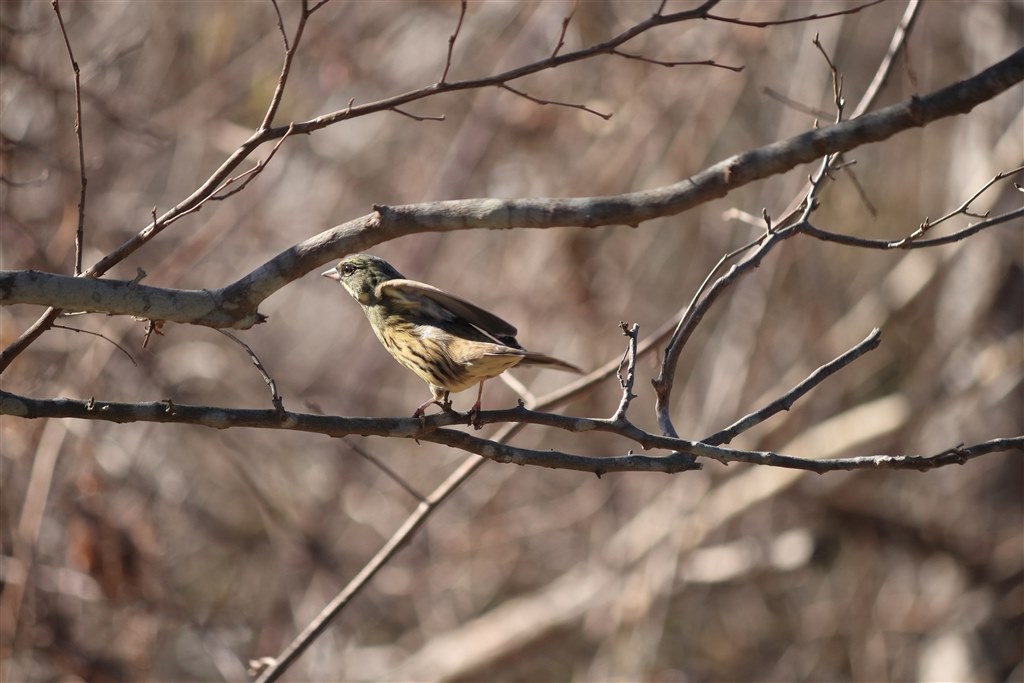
[474,417]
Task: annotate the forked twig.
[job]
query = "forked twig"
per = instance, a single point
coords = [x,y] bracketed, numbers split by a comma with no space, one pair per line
[963,209]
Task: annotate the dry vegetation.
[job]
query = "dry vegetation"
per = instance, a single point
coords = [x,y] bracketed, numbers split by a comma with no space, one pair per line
[163,552]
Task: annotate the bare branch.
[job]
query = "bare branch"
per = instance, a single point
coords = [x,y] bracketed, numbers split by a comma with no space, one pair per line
[80,229]
[451,42]
[436,431]
[796,20]
[867,243]
[245,176]
[542,101]
[629,363]
[700,303]
[659,62]
[837,80]
[786,401]
[280,25]
[417,117]
[565,26]
[896,47]
[275,398]
[963,209]
[101,336]
[286,66]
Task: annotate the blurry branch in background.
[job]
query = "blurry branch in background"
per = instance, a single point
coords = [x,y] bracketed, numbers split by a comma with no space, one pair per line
[235,305]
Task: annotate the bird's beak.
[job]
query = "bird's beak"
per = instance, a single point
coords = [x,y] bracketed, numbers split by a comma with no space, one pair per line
[332,273]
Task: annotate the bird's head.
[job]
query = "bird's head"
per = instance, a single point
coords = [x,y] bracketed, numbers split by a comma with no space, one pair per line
[360,274]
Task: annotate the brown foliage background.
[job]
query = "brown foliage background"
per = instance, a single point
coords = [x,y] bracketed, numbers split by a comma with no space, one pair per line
[179,553]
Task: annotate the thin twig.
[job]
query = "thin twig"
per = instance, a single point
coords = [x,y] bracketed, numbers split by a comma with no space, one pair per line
[101,336]
[275,398]
[659,62]
[896,46]
[963,209]
[286,66]
[565,26]
[795,20]
[280,25]
[699,304]
[837,80]
[541,101]
[417,117]
[786,401]
[629,364]
[80,230]
[247,175]
[866,243]
[451,42]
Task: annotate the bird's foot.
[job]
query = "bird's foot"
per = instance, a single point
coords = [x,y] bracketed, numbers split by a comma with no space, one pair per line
[474,416]
[421,413]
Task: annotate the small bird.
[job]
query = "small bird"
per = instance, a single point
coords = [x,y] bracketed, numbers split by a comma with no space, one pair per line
[448,342]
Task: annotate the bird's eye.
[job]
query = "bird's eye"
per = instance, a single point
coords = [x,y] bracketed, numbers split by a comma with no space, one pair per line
[348,269]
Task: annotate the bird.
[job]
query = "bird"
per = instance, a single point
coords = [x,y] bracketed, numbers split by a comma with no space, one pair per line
[448,342]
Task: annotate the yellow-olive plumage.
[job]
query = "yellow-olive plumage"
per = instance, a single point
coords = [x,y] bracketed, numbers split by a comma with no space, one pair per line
[448,342]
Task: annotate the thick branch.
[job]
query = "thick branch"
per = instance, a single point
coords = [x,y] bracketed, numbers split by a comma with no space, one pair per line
[122,296]
[236,304]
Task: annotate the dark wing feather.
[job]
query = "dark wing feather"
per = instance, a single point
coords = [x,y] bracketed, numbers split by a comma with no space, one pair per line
[411,292]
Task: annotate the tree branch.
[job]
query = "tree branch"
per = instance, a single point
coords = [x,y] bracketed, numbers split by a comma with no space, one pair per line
[236,304]
[434,429]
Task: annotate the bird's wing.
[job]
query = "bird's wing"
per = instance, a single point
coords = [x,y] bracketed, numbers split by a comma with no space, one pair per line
[412,293]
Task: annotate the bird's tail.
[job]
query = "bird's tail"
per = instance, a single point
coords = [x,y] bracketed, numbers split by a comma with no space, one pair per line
[534,358]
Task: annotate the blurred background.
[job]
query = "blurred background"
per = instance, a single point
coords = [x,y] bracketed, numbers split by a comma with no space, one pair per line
[161,553]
